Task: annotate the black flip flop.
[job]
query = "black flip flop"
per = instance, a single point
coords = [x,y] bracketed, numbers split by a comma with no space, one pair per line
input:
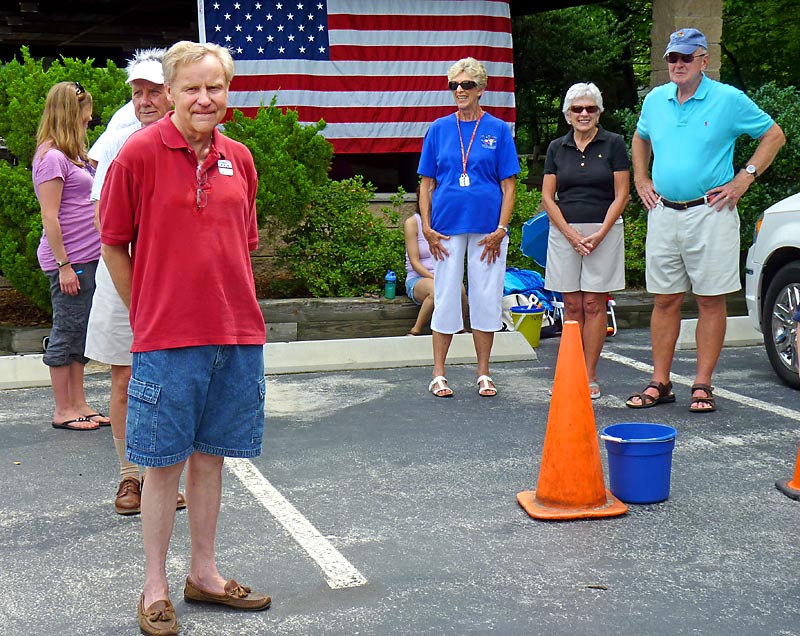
[68,425]
[98,414]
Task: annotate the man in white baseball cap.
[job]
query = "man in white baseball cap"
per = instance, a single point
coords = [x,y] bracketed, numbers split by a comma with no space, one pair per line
[109,337]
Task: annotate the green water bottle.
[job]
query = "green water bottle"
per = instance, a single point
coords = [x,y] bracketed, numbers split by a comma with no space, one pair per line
[391,285]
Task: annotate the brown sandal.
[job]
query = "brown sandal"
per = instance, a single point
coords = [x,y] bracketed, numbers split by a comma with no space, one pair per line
[709,399]
[647,401]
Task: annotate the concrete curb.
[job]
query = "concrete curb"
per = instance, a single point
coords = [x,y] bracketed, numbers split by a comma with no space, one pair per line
[739,333]
[27,370]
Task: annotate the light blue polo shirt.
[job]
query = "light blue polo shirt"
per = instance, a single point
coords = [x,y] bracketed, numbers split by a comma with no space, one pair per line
[693,142]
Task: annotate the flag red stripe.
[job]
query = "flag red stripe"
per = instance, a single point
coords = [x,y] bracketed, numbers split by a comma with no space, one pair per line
[379,114]
[419,53]
[439,23]
[334,83]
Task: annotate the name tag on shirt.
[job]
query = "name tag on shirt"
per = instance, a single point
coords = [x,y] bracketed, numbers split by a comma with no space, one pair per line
[225,167]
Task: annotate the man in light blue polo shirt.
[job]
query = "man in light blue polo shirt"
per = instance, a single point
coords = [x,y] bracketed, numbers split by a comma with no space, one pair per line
[689,126]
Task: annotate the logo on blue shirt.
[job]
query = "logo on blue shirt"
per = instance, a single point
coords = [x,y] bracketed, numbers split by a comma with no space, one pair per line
[489,141]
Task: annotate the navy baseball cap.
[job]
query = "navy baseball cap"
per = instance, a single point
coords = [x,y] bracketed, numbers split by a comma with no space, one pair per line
[685,41]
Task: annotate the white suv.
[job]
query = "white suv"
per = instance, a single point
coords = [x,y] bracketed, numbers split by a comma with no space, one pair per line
[772,284]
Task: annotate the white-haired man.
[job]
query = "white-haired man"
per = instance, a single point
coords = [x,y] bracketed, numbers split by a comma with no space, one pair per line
[109,336]
[689,127]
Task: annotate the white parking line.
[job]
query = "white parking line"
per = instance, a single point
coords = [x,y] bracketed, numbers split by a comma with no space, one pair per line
[791,414]
[339,572]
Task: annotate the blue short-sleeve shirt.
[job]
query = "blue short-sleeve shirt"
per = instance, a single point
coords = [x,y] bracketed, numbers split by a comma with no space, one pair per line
[693,142]
[493,157]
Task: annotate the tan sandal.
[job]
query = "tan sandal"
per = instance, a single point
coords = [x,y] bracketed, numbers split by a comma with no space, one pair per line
[647,401]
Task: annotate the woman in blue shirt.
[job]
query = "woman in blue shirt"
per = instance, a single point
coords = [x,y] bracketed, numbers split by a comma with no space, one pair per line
[468,166]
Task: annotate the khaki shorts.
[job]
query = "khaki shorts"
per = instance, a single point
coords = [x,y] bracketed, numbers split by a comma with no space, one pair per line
[601,271]
[695,249]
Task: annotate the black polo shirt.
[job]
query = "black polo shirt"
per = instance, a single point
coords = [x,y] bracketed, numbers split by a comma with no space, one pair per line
[585,180]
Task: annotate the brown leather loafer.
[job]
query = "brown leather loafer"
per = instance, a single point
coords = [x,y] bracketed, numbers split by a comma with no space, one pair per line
[158,619]
[129,497]
[235,596]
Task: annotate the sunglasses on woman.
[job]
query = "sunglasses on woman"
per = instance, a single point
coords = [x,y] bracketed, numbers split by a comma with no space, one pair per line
[673,58]
[579,109]
[466,85]
[79,90]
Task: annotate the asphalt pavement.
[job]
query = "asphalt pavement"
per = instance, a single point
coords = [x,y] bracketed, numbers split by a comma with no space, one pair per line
[377,509]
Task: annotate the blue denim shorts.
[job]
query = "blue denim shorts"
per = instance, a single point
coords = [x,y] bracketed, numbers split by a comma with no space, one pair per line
[209,399]
[410,282]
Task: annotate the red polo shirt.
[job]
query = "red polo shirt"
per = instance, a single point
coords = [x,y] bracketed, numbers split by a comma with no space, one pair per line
[192,278]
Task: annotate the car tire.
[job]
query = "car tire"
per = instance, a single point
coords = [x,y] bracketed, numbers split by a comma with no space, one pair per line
[780,330]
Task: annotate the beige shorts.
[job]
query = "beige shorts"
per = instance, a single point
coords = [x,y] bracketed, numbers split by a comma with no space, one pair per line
[695,249]
[108,334]
[601,271]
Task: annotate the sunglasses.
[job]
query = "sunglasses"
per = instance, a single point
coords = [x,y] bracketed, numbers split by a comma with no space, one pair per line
[468,85]
[673,58]
[79,90]
[579,109]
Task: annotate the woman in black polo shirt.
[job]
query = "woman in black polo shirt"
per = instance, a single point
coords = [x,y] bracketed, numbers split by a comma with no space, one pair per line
[585,188]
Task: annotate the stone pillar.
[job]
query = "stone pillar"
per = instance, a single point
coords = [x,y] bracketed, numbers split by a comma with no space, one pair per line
[671,15]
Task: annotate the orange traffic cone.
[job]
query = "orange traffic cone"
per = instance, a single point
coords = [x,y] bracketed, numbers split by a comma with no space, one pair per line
[570,482]
[791,487]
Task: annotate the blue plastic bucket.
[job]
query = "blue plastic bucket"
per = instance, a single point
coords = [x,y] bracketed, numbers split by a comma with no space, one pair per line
[639,461]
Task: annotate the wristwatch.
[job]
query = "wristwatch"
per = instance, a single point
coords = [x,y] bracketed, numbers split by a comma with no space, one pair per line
[751,170]
[502,227]
[62,264]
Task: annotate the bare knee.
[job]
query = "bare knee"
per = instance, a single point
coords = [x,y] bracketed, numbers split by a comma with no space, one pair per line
[668,303]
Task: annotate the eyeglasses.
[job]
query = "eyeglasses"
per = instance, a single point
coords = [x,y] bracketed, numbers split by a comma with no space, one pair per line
[579,109]
[467,85]
[673,58]
[79,90]
[202,195]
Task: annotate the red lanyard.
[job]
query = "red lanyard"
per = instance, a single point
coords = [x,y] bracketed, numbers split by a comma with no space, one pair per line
[465,157]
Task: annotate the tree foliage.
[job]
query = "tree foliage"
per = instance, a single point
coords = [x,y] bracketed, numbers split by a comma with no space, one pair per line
[760,43]
[606,43]
[24,85]
[780,180]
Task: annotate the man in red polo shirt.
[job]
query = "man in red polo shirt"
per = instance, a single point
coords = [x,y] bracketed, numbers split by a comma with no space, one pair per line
[182,196]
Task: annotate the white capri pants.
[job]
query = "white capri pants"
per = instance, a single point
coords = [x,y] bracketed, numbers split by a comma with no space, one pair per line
[484,286]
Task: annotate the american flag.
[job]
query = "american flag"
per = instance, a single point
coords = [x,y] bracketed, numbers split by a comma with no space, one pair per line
[374,70]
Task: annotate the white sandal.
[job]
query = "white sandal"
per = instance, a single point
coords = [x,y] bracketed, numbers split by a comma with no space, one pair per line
[484,385]
[439,388]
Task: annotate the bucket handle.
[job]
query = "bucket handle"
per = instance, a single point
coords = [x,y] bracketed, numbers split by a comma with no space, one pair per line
[619,440]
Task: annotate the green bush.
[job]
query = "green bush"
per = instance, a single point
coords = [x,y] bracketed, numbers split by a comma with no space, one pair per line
[292,162]
[340,248]
[20,232]
[780,180]
[23,90]
[635,233]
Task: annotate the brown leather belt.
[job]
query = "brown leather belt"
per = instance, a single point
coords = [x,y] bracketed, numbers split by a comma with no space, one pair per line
[683,205]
